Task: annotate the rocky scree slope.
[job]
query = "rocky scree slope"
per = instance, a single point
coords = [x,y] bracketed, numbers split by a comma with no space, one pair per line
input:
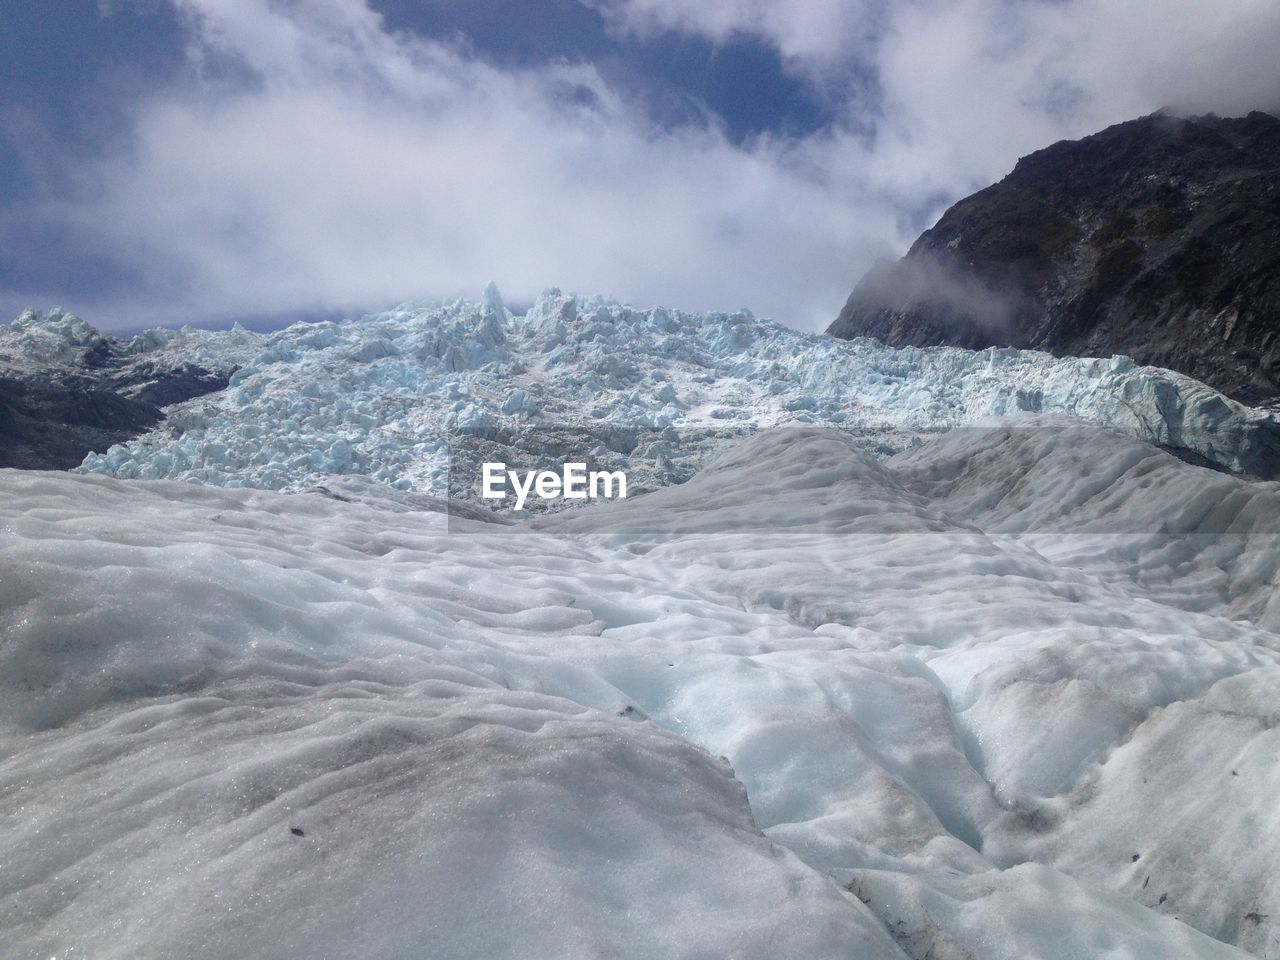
[1158,238]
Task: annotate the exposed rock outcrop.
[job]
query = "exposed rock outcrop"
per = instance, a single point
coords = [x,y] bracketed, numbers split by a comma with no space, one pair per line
[67,390]
[1158,238]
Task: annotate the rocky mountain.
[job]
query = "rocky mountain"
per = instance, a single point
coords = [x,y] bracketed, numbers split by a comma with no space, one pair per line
[1158,238]
[66,389]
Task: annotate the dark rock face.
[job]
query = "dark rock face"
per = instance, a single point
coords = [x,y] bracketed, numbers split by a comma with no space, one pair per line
[89,394]
[1158,238]
[51,425]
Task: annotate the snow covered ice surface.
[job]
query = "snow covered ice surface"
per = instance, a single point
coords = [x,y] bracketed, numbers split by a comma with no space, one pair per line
[508,742]
[1011,692]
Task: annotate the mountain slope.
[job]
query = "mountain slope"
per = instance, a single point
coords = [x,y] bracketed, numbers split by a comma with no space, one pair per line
[67,390]
[1158,238]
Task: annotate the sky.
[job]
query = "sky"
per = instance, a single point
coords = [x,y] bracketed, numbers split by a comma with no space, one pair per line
[203,161]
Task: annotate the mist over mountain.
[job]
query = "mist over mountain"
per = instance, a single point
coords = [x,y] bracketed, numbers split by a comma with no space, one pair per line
[1158,238]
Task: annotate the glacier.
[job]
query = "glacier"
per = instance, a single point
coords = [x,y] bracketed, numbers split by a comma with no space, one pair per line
[930,654]
[381,396]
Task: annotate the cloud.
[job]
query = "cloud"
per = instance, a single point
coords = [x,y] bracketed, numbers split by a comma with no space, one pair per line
[973,85]
[964,87]
[347,165]
[311,158]
[1195,56]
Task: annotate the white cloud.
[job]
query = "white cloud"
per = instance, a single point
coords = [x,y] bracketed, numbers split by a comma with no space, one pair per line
[972,85]
[364,166]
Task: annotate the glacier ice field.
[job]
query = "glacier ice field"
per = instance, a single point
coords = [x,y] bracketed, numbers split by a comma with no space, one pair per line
[901,654]
[381,396]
